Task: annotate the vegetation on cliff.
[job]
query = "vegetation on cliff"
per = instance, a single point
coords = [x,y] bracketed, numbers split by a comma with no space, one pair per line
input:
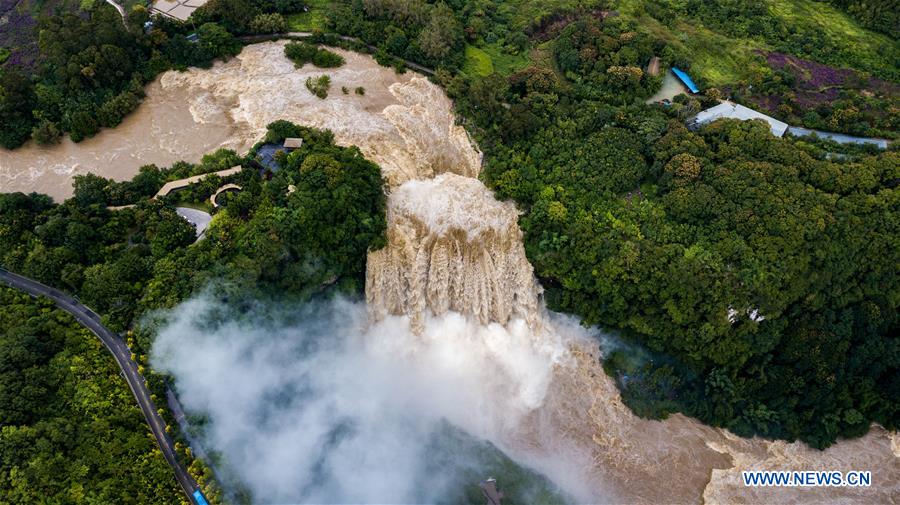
[758,274]
[299,231]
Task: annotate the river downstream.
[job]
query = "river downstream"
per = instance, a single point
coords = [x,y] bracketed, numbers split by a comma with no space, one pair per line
[453,288]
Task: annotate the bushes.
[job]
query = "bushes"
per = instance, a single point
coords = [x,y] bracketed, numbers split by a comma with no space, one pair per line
[319,85]
[46,132]
[113,111]
[268,23]
[302,53]
[327,59]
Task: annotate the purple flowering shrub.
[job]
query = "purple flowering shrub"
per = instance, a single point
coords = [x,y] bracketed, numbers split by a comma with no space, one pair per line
[815,95]
[18,33]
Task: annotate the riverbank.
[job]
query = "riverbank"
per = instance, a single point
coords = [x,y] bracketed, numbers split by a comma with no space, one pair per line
[188,114]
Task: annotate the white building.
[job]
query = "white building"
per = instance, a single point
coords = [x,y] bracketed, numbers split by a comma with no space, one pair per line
[735,111]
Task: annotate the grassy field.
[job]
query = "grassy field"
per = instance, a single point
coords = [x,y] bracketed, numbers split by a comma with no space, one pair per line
[720,59]
[523,13]
[478,63]
[866,48]
[505,63]
[487,59]
[309,21]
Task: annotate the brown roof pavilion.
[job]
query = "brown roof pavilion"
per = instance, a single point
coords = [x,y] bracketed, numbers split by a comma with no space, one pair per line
[292,143]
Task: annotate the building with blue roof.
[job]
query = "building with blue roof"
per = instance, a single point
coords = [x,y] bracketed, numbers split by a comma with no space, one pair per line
[686,79]
[199,499]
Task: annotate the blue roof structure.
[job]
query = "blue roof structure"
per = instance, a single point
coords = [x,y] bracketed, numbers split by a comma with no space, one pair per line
[198,497]
[686,79]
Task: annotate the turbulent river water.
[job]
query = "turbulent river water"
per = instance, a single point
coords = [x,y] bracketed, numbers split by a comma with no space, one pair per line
[455,268]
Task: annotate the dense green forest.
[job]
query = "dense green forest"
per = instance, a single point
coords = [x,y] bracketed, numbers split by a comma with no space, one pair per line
[300,232]
[70,431]
[758,274]
[265,239]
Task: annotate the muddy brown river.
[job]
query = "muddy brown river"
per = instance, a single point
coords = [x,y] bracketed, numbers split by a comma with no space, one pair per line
[186,115]
[454,248]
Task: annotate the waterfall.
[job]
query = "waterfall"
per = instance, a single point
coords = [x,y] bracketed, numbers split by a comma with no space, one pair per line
[453,248]
[453,308]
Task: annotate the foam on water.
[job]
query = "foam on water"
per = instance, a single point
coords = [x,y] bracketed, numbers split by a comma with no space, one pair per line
[452,298]
[452,248]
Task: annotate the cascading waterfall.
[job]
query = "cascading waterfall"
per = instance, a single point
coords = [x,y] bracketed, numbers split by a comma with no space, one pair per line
[452,247]
[486,355]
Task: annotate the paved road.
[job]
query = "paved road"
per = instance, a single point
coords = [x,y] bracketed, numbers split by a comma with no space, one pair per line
[198,218]
[118,8]
[302,35]
[122,354]
[840,138]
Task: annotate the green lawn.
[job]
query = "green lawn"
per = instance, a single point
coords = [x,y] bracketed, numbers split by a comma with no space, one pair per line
[505,63]
[309,21]
[485,60]
[478,63]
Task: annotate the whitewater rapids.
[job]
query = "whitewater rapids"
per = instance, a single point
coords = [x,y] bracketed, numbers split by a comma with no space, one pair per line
[188,114]
[455,275]
[452,247]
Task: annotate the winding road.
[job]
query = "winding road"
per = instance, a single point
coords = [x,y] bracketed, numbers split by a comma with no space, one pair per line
[122,354]
[120,9]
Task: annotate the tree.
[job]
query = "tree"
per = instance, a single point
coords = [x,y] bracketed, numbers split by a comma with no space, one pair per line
[60,394]
[442,34]
[16,101]
[46,132]
[319,85]
[170,233]
[90,189]
[268,23]
[235,15]
[217,41]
